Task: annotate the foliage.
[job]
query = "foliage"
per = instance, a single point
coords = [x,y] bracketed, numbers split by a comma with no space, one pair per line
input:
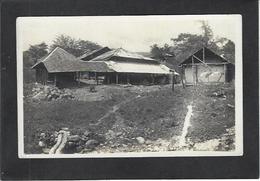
[30,57]
[35,52]
[160,52]
[156,51]
[228,51]
[74,46]
[185,44]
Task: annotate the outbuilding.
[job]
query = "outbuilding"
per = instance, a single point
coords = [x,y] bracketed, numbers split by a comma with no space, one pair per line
[205,66]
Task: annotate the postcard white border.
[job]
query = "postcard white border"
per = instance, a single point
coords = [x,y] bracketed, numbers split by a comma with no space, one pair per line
[238,99]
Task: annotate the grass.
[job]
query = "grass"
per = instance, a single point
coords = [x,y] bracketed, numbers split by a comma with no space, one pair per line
[152,114]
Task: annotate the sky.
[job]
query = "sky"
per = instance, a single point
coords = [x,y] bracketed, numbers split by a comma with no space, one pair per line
[133,33]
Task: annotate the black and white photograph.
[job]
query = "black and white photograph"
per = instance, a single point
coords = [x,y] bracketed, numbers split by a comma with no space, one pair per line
[129,86]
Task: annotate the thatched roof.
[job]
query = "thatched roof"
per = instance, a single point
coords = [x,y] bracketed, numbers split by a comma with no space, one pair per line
[210,57]
[122,53]
[94,67]
[60,60]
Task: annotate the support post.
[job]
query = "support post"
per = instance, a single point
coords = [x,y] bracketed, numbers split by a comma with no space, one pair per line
[152,78]
[192,68]
[96,77]
[127,78]
[116,78]
[196,73]
[203,54]
[173,81]
[182,77]
[108,79]
[225,71]
[78,78]
[55,79]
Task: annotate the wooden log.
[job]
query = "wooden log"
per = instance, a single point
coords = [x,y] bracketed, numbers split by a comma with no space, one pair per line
[63,142]
[54,148]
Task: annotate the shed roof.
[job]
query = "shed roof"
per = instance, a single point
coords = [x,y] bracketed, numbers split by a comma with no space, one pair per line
[122,53]
[210,57]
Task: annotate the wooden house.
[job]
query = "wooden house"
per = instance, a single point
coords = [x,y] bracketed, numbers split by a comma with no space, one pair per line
[114,66]
[132,68]
[60,67]
[205,66]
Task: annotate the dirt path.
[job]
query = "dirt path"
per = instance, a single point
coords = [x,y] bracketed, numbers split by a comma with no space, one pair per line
[114,109]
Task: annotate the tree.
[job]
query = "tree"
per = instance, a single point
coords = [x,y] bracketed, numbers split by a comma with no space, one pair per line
[73,46]
[207,33]
[35,52]
[156,52]
[228,51]
[87,46]
[185,44]
[30,57]
[160,52]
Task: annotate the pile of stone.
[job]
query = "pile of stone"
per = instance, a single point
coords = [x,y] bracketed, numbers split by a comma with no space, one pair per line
[67,143]
[51,93]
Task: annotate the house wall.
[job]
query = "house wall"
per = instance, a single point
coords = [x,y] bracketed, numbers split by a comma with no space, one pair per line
[41,74]
[205,74]
[217,75]
[66,79]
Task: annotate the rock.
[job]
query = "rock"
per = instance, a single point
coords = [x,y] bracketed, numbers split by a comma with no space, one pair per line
[42,135]
[74,138]
[46,150]
[119,134]
[110,135]
[71,144]
[87,133]
[41,144]
[148,142]
[91,144]
[65,129]
[140,140]
[79,149]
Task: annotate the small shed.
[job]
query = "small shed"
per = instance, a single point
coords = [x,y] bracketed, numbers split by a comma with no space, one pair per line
[205,66]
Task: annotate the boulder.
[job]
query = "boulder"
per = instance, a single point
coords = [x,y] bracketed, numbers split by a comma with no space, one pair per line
[91,144]
[74,138]
[87,133]
[140,140]
[42,144]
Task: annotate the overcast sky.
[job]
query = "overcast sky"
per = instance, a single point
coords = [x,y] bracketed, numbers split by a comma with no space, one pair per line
[134,33]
